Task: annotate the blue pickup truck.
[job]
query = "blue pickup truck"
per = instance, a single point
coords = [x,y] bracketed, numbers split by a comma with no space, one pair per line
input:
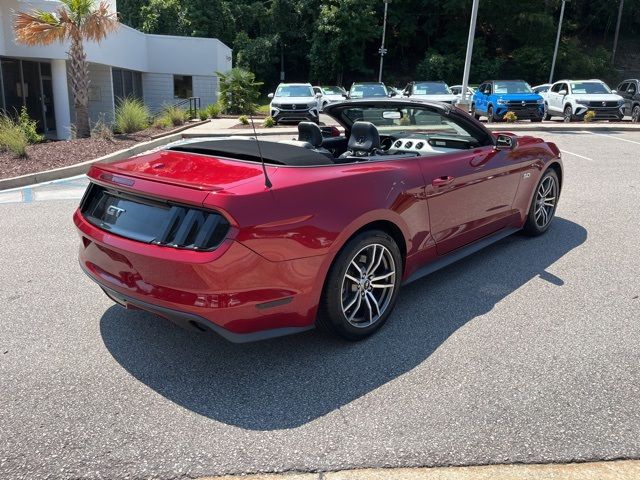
[494,98]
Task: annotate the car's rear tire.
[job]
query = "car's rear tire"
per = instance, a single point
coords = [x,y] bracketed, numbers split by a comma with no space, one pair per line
[362,286]
[568,114]
[546,115]
[543,205]
[635,114]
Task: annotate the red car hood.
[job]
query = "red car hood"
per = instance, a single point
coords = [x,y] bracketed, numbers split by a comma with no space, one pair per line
[188,170]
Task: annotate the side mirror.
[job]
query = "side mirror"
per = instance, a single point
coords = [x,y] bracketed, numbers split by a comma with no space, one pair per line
[562,92]
[270,95]
[318,95]
[392,94]
[345,95]
[505,142]
[614,91]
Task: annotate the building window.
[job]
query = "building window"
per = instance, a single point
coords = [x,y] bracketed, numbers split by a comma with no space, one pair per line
[182,86]
[126,83]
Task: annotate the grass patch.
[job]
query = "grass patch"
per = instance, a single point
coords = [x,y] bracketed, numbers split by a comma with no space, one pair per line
[175,116]
[131,116]
[16,134]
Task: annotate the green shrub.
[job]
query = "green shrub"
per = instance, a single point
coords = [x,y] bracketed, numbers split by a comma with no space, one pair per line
[28,126]
[213,110]
[176,116]
[510,117]
[131,116]
[269,122]
[162,122]
[589,116]
[239,91]
[202,114]
[12,137]
[243,119]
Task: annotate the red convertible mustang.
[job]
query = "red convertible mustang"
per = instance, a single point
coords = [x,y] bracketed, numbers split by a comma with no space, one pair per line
[259,239]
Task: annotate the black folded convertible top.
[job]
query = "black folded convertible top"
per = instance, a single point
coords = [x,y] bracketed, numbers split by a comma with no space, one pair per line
[247,149]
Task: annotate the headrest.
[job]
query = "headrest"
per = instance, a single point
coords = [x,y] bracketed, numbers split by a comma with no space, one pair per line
[310,132]
[364,137]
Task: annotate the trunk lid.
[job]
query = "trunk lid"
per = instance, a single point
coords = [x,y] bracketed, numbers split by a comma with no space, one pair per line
[200,172]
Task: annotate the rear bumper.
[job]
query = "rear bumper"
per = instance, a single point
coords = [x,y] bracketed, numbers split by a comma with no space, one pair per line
[192,321]
[232,290]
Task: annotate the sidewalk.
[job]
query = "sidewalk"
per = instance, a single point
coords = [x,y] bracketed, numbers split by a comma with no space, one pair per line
[611,470]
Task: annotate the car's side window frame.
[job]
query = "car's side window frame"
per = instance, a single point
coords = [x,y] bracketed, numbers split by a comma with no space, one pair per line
[635,88]
[622,87]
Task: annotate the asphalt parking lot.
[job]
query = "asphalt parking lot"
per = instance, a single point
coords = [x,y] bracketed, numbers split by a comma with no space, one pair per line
[526,352]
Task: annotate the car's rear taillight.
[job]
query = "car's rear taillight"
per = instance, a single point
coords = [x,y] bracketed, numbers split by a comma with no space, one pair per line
[153,221]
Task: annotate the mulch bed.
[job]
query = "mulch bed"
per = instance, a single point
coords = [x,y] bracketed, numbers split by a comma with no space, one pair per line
[55,154]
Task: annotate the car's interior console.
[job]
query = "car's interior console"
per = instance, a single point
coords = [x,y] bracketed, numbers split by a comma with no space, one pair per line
[425,144]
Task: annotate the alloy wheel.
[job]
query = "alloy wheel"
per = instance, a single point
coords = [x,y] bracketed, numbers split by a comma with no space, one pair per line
[635,114]
[568,114]
[546,198]
[368,285]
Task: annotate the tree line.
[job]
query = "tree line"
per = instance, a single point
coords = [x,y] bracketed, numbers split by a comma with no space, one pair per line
[337,41]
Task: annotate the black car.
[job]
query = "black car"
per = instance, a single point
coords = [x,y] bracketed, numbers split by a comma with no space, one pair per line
[630,91]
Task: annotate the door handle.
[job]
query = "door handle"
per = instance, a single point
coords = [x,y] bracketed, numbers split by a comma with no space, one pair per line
[442,181]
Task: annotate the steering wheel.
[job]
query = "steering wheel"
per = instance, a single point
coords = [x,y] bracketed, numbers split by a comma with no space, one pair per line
[385,143]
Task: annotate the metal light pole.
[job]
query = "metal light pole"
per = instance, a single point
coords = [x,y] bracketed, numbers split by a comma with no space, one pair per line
[383,50]
[555,50]
[615,39]
[463,103]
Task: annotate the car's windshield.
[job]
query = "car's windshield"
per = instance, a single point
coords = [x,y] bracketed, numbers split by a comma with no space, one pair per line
[294,91]
[361,90]
[512,86]
[431,88]
[397,120]
[589,87]
[332,90]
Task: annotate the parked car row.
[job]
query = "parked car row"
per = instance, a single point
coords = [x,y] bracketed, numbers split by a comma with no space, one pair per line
[569,99]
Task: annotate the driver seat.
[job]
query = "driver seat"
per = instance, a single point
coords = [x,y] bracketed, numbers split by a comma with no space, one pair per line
[364,141]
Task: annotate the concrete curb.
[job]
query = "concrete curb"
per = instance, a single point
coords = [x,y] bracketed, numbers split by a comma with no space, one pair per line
[609,470]
[80,168]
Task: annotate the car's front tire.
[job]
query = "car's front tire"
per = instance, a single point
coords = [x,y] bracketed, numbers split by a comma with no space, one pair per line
[546,115]
[635,114]
[568,114]
[362,286]
[543,205]
[491,115]
[473,112]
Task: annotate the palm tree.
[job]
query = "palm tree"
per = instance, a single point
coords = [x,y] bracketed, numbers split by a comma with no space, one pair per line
[76,21]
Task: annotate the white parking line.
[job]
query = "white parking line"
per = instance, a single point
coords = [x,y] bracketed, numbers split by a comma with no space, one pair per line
[577,155]
[611,136]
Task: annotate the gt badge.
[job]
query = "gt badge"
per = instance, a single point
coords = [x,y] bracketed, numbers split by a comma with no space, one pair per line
[115,211]
[526,175]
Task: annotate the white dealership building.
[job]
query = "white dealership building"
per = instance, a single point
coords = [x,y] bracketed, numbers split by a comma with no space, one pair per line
[159,69]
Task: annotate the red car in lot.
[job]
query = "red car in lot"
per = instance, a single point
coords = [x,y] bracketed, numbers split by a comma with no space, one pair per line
[259,239]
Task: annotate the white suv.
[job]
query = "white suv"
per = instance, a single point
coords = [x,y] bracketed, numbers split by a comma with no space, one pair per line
[436,91]
[329,94]
[294,102]
[571,99]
